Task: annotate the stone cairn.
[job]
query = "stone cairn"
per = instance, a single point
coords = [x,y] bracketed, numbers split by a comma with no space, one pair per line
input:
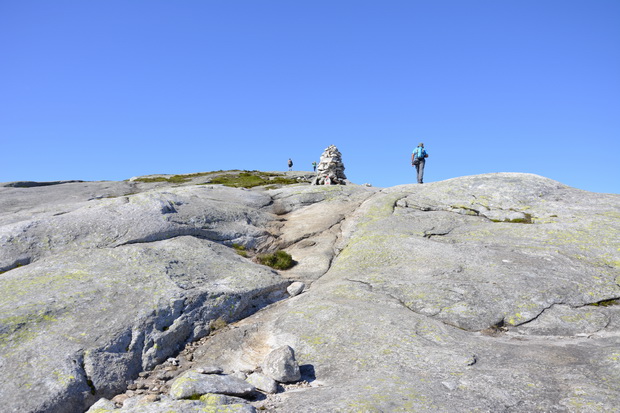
[330,170]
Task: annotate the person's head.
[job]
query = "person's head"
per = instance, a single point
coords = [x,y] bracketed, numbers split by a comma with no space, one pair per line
[421,145]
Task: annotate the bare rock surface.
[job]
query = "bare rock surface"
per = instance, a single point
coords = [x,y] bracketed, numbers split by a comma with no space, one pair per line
[210,403]
[192,384]
[497,292]
[439,297]
[103,315]
[220,214]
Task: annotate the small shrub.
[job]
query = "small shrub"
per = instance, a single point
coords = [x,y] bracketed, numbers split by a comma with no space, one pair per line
[234,178]
[242,180]
[284,181]
[150,180]
[280,260]
[218,324]
[240,249]
[178,179]
[174,179]
[250,179]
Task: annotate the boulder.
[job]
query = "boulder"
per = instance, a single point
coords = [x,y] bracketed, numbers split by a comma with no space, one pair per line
[281,366]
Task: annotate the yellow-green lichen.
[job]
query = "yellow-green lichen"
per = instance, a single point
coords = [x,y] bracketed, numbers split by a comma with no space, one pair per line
[14,288]
[22,328]
[583,404]
[379,211]
[515,319]
[577,317]
[370,251]
[314,341]
[403,397]
[63,378]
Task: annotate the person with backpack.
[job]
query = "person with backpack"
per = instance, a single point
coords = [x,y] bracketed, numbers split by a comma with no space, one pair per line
[418,159]
[290,164]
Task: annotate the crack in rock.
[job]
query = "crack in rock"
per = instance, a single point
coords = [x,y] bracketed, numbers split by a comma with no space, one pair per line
[429,234]
[403,304]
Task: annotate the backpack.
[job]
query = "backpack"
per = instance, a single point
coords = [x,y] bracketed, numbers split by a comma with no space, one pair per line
[419,153]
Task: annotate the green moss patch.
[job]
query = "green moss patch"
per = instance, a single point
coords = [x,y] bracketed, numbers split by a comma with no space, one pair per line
[240,249]
[150,180]
[250,179]
[174,179]
[280,260]
[233,178]
[607,303]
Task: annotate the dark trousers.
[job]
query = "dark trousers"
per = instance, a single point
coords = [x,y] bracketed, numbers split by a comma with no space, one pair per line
[420,169]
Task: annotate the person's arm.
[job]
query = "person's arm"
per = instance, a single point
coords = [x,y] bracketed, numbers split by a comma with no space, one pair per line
[412,157]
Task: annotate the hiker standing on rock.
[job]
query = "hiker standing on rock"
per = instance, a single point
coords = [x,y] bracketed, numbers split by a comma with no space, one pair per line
[290,164]
[418,159]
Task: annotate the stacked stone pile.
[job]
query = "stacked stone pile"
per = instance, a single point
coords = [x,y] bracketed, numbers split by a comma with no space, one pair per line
[330,170]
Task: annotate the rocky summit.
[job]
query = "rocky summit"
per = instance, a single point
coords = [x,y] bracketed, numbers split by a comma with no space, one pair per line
[488,293]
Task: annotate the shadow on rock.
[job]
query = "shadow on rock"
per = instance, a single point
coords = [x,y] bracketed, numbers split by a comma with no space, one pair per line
[307,373]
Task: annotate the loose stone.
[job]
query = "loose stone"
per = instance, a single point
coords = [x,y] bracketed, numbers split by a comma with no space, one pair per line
[281,365]
[295,288]
[262,382]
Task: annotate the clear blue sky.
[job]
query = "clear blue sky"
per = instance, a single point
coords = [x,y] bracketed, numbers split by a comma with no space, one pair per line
[110,89]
